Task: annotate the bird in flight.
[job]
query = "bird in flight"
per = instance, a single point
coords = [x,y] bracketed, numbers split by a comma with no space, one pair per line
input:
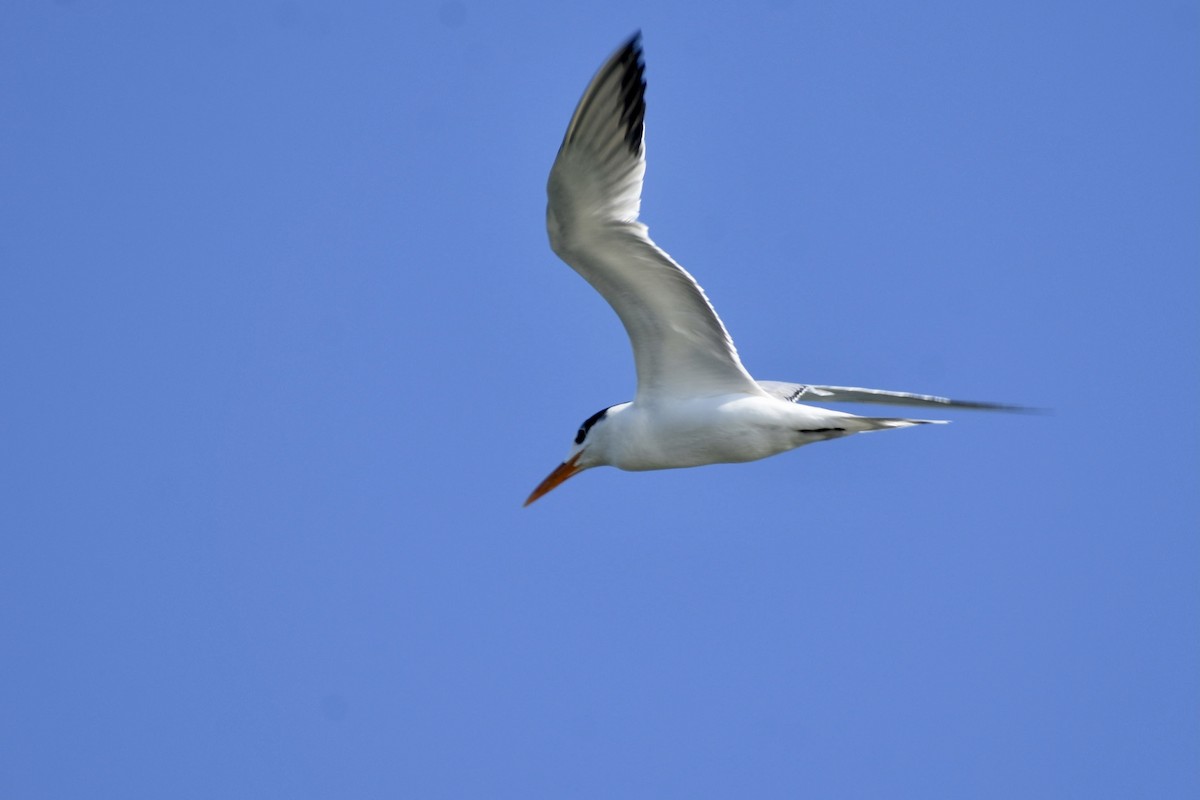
[695,402]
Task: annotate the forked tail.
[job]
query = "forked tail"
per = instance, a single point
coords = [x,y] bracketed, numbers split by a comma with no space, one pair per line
[868,424]
[835,427]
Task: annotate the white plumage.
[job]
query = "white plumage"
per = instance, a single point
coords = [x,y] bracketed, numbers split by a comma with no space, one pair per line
[695,403]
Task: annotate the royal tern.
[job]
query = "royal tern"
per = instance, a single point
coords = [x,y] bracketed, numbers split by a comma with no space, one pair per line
[695,402]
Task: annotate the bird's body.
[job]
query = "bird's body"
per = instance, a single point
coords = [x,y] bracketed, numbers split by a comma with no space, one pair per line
[695,403]
[718,429]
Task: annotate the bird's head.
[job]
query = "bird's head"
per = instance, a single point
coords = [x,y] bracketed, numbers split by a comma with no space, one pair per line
[589,450]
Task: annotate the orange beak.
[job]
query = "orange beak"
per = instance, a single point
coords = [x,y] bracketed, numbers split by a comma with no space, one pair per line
[560,474]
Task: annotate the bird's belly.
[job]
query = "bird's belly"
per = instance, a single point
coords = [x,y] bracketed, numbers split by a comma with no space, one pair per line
[726,435]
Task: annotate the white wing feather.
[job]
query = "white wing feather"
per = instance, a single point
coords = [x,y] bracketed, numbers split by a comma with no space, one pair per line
[809,393]
[679,344]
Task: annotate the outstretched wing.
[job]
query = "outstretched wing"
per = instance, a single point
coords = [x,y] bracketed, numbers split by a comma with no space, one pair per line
[808,393]
[595,190]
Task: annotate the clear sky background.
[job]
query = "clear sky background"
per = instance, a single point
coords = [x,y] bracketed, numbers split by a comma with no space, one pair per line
[284,348]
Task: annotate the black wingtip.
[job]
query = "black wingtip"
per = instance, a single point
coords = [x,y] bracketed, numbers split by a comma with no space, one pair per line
[633,90]
[626,70]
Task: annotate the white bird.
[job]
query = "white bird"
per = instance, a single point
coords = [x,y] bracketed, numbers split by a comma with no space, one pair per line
[695,403]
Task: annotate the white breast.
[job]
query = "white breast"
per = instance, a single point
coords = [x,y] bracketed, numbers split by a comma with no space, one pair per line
[704,430]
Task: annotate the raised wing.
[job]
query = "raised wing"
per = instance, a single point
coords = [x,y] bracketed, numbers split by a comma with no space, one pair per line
[595,190]
[807,393]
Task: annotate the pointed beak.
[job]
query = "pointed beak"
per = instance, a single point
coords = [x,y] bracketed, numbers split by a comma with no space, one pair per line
[560,474]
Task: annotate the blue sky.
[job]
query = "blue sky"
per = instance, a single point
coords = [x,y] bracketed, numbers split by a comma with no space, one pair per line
[285,348]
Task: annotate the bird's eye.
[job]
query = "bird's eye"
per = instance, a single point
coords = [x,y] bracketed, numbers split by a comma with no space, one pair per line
[580,435]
